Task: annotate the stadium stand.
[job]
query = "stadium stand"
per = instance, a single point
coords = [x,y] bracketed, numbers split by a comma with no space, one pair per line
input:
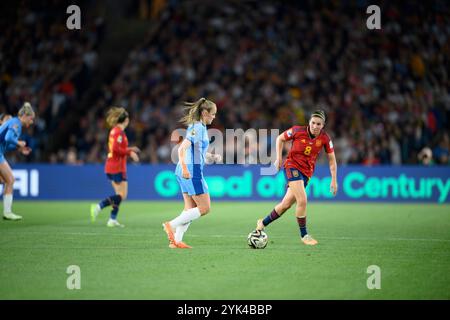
[265,64]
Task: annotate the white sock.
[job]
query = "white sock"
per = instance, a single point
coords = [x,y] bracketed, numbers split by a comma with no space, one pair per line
[7,203]
[180,231]
[185,217]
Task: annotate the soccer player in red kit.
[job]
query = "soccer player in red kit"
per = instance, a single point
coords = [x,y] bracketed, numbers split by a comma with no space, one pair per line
[307,142]
[116,164]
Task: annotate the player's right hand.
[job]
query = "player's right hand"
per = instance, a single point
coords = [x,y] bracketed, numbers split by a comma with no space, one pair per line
[25,150]
[185,174]
[135,149]
[21,143]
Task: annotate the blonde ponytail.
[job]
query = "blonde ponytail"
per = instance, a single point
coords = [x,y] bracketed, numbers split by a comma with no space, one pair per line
[194,110]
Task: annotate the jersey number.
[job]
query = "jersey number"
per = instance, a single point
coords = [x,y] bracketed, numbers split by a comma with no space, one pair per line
[308,150]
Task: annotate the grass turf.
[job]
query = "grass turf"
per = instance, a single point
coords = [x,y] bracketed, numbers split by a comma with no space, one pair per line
[410,243]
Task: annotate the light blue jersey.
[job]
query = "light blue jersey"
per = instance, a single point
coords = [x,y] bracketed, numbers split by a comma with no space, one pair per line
[195,160]
[194,157]
[9,135]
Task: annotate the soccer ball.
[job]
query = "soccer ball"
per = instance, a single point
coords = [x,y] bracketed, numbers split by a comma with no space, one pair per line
[257,239]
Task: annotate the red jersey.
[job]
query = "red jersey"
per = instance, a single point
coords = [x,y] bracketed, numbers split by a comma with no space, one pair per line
[117,151]
[305,149]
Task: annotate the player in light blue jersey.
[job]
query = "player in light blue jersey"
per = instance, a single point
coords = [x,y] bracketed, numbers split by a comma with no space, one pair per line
[192,155]
[9,140]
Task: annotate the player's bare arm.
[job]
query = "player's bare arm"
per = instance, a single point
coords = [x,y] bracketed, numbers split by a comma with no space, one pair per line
[181,153]
[333,170]
[279,145]
[134,156]
[134,149]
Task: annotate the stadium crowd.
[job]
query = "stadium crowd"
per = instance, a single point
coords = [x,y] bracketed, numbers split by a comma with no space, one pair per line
[46,64]
[267,66]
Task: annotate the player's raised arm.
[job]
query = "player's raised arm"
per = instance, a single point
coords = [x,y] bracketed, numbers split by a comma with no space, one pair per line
[333,170]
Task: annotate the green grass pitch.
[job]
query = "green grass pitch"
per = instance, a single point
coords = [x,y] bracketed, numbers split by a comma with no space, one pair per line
[410,244]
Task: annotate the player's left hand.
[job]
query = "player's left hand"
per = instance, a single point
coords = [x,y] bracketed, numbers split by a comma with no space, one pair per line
[333,187]
[25,150]
[217,157]
[134,156]
[135,149]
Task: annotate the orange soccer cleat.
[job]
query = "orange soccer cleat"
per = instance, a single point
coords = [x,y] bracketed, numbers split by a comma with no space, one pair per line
[169,231]
[179,245]
[308,240]
[182,245]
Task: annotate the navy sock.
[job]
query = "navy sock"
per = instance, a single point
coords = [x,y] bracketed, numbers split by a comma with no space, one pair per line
[302,224]
[270,217]
[116,200]
[114,212]
[111,200]
[104,203]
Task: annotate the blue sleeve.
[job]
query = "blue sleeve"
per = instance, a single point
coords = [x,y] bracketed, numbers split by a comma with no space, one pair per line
[11,139]
[11,147]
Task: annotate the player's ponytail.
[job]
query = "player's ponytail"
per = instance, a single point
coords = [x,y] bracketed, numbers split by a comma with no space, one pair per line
[194,110]
[116,115]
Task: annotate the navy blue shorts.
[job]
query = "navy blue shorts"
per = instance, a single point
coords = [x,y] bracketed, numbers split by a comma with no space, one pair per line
[117,177]
[293,174]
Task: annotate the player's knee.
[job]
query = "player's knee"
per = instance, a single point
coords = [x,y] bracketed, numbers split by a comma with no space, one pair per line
[302,202]
[123,195]
[204,210]
[10,181]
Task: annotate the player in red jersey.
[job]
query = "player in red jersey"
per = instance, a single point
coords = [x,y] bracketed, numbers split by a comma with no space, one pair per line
[116,164]
[307,142]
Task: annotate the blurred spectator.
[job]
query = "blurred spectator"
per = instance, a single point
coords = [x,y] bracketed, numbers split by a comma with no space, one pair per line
[425,156]
[441,151]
